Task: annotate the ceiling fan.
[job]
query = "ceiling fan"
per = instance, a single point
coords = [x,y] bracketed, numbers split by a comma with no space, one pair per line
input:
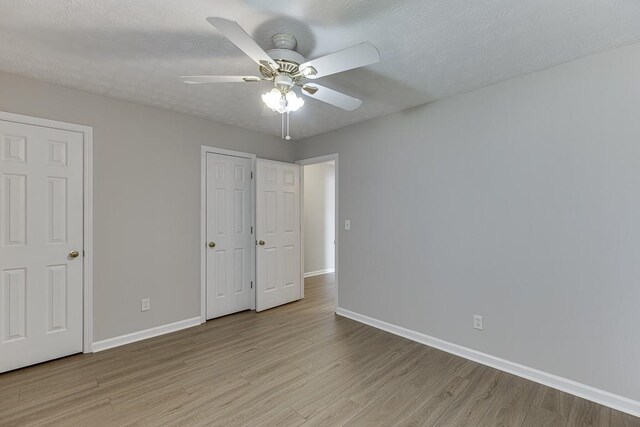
[287,68]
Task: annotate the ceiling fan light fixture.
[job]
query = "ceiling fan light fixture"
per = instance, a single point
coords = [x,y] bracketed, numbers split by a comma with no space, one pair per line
[281,102]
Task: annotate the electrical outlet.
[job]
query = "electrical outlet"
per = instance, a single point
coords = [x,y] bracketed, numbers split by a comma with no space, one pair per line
[347,224]
[145,304]
[477,322]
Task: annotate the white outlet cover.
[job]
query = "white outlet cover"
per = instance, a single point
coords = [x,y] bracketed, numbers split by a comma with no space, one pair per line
[477,322]
[145,304]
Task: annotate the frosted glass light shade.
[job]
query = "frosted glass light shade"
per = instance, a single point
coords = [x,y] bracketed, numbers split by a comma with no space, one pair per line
[281,103]
[293,102]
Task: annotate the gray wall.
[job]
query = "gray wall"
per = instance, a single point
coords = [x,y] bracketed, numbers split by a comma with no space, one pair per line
[146,198]
[519,202]
[319,216]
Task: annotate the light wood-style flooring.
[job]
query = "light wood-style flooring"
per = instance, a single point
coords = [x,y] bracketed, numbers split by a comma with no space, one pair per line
[299,364]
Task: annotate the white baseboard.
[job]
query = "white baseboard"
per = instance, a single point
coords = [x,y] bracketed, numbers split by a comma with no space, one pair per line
[319,272]
[147,333]
[593,394]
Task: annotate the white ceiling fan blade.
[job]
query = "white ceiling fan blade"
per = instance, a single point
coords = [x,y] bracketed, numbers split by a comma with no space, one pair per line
[220,79]
[352,57]
[238,36]
[330,96]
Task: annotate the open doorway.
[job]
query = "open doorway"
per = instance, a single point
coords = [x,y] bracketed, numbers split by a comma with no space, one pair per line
[319,220]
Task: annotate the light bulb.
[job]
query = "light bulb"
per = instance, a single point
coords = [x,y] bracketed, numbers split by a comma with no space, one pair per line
[293,102]
[282,103]
[274,100]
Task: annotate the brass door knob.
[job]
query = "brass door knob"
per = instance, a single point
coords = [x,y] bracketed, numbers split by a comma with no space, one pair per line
[261,242]
[74,254]
[212,244]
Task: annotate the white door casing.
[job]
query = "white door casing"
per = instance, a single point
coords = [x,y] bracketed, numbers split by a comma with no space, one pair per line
[278,274]
[229,238]
[311,161]
[41,223]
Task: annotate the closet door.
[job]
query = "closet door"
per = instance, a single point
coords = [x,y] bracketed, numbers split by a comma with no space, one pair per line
[41,244]
[278,234]
[229,238]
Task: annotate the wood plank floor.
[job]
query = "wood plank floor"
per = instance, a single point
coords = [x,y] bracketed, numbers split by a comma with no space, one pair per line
[299,364]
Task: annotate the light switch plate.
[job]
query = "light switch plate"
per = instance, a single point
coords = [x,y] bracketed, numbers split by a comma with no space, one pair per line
[347,224]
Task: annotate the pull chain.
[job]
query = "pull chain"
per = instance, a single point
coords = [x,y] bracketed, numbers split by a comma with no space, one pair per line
[288,137]
[284,129]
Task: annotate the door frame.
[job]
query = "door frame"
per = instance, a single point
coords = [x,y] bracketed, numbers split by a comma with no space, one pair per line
[87,226]
[314,161]
[203,223]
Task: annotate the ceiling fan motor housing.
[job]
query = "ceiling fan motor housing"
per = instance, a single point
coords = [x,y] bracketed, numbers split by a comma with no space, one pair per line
[284,41]
[288,59]
[286,55]
[283,82]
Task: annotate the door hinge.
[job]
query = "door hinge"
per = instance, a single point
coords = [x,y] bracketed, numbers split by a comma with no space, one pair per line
[251,174]
[252,284]
[252,229]
[83,253]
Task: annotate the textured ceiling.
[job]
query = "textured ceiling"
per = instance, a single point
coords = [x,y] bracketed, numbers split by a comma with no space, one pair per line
[136,50]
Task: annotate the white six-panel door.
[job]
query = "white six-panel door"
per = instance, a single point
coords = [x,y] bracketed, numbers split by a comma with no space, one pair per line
[41,225]
[278,279]
[229,239]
